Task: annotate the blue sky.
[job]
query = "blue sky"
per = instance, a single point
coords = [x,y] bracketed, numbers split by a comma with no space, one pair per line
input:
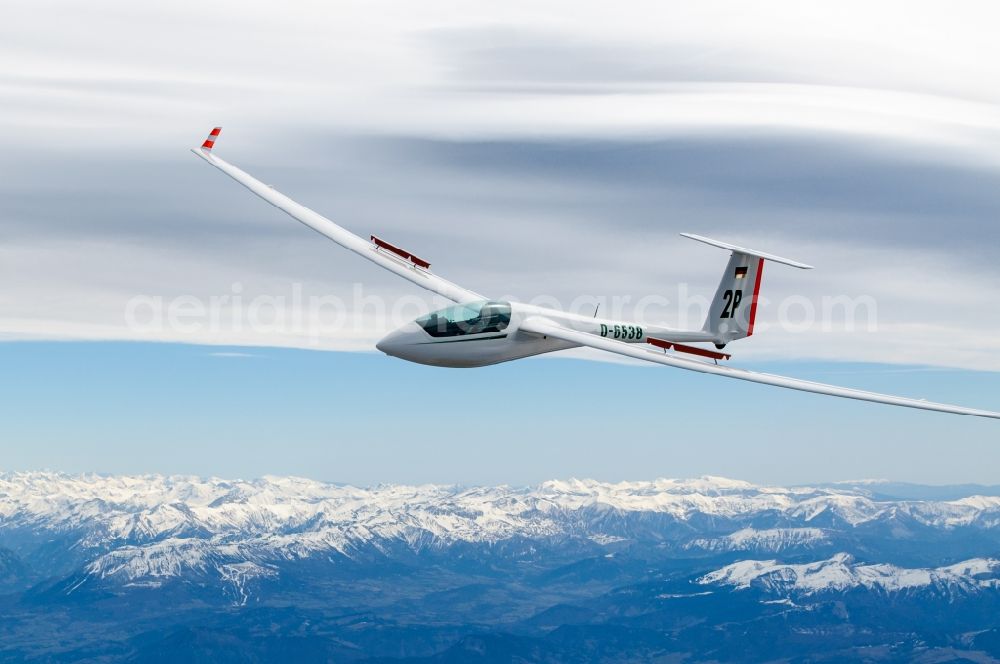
[529,149]
[364,418]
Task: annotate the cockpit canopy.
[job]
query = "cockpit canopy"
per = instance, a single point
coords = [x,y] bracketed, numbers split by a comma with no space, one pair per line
[469,318]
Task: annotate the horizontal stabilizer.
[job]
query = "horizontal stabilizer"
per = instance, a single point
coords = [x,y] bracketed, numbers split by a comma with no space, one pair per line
[748,252]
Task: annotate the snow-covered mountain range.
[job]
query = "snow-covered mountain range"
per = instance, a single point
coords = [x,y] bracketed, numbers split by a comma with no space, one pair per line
[142,528]
[667,566]
[842,572]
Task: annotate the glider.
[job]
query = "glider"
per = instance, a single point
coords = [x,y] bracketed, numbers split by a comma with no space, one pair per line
[477,331]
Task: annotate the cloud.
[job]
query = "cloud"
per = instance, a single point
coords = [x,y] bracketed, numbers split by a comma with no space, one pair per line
[521,154]
[495,57]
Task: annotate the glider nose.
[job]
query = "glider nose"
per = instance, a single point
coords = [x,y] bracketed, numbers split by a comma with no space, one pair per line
[396,341]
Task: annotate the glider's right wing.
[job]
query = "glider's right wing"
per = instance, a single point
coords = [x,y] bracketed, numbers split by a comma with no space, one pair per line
[545,327]
[377,251]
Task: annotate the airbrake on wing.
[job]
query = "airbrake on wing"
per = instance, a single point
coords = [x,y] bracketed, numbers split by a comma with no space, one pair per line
[402,253]
[684,348]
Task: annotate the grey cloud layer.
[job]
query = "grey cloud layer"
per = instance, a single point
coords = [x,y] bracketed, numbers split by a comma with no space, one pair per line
[799,182]
[459,142]
[560,218]
[529,59]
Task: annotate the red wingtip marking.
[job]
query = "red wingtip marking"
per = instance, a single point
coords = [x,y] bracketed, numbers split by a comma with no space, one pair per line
[756,293]
[213,136]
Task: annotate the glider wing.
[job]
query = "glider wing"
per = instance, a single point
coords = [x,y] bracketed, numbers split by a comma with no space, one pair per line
[377,251]
[542,326]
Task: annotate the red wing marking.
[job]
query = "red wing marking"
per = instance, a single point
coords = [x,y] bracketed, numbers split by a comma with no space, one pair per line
[402,253]
[693,350]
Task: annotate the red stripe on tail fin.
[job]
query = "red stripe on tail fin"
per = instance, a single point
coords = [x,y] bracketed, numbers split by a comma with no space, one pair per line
[756,293]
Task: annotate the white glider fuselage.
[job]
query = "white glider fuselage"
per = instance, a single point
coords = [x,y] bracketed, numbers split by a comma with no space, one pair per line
[479,340]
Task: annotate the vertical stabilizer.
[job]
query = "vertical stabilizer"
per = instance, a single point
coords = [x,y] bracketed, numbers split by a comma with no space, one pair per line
[734,307]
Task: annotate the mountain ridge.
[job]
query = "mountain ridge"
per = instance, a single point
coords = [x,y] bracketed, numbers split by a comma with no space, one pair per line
[645,568]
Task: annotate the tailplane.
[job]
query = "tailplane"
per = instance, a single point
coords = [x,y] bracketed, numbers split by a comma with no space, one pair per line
[734,307]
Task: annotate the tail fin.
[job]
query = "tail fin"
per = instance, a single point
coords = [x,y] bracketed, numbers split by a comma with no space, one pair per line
[734,307]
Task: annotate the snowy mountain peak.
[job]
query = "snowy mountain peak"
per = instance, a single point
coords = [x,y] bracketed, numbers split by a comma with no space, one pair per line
[841,572]
[768,539]
[146,528]
[136,509]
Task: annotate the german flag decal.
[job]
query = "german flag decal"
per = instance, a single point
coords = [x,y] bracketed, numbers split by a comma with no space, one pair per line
[741,273]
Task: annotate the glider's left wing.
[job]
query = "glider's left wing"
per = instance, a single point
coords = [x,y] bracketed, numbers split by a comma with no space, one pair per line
[546,327]
[379,252]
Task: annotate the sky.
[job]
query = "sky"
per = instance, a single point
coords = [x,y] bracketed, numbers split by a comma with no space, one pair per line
[528,150]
